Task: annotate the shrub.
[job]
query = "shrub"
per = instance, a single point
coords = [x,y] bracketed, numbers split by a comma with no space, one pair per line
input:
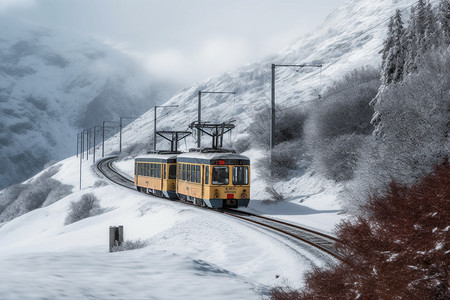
[342,116]
[399,252]
[10,194]
[242,144]
[338,160]
[288,127]
[275,194]
[286,157]
[22,198]
[57,193]
[130,245]
[87,206]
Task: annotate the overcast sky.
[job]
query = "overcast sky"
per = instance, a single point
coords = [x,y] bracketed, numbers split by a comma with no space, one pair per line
[183,40]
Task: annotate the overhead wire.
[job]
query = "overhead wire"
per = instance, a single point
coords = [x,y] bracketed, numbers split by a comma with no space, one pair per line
[352,39]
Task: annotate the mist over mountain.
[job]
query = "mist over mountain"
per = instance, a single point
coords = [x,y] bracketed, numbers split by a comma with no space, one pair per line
[351,37]
[55,83]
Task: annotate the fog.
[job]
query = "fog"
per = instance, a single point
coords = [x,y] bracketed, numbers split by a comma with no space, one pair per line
[183,41]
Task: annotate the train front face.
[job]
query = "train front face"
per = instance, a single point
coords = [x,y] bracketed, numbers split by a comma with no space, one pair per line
[227,183]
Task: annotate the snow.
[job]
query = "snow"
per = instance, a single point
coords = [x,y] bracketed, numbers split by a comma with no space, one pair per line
[201,252]
[192,253]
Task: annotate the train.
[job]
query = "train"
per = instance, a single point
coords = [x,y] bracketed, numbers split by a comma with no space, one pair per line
[207,179]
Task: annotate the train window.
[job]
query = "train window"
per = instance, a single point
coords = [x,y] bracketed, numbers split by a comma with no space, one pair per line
[147,169]
[158,169]
[164,176]
[220,175]
[198,174]
[188,172]
[240,175]
[184,172]
[172,172]
[192,173]
[207,175]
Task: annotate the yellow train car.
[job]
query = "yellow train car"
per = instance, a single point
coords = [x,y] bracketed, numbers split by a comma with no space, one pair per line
[156,174]
[214,180]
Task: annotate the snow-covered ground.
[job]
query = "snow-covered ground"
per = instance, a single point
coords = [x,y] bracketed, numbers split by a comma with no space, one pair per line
[194,253]
[191,254]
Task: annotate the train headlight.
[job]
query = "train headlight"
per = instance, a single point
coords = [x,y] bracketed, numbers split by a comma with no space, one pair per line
[216,193]
[244,194]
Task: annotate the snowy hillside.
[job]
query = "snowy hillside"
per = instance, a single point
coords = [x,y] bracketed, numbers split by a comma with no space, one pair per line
[346,40]
[54,83]
[191,253]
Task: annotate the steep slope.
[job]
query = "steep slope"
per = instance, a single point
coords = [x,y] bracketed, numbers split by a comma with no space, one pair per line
[53,83]
[350,37]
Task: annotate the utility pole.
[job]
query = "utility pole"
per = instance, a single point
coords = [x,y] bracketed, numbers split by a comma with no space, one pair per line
[95,131]
[103,135]
[199,111]
[120,134]
[78,138]
[154,123]
[272,123]
[87,144]
[82,143]
[81,167]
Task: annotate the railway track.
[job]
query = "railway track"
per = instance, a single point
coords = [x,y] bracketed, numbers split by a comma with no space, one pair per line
[106,168]
[319,240]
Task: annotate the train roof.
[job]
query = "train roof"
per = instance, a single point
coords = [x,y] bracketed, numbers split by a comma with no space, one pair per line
[212,158]
[155,157]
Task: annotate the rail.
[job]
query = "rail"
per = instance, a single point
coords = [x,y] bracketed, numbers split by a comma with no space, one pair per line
[319,240]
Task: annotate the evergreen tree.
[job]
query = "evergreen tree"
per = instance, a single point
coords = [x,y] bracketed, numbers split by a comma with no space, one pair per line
[420,25]
[393,51]
[410,42]
[443,19]
[431,31]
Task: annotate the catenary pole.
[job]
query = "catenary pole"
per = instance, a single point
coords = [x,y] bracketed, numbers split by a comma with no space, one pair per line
[199,111]
[154,123]
[272,122]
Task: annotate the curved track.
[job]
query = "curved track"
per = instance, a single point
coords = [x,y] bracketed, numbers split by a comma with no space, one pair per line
[106,168]
[319,240]
[314,238]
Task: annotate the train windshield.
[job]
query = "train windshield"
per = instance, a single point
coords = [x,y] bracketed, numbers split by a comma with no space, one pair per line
[220,175]
[240,175]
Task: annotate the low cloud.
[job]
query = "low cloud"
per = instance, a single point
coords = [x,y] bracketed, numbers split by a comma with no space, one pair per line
[7,4]
[186,67]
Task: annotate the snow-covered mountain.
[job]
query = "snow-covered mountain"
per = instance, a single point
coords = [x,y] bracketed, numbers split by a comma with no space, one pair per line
[52,84]
[350,37]
[192,244]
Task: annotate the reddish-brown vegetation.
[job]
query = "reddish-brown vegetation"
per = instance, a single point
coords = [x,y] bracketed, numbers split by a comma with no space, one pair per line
[402,251]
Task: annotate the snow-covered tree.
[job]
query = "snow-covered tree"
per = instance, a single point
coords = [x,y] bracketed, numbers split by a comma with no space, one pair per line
[410,42]
[393,57]
[420,25]
[413,133]
[431,30]
[443,19]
